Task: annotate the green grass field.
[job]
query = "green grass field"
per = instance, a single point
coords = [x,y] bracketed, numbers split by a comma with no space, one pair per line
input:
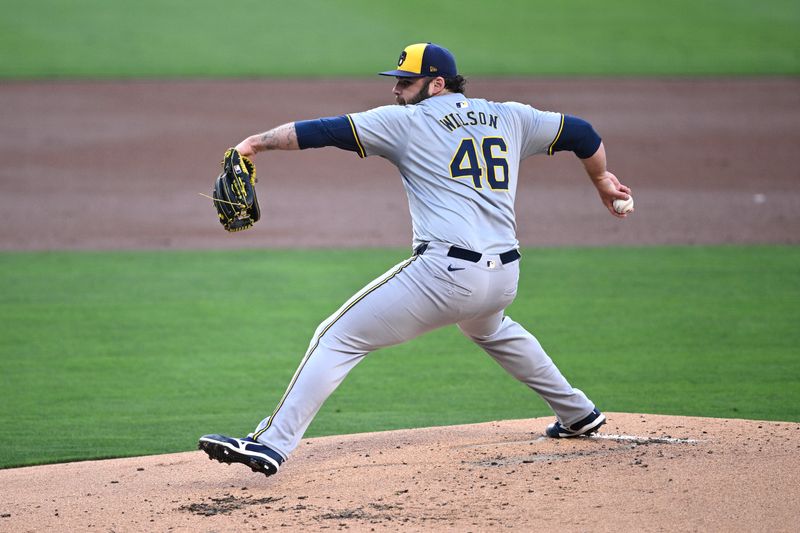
[124,353]
[208,38]
[116,354]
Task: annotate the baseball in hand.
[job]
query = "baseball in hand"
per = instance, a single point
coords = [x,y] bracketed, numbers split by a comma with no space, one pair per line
[623,206]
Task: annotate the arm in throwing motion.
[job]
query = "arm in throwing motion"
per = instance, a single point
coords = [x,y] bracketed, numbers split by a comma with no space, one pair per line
[578,136]
[608,186]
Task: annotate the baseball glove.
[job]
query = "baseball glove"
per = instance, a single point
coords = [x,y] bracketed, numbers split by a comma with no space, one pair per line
[235,194]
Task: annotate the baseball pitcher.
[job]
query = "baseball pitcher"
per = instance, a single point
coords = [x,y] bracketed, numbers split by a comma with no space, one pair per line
[458,158]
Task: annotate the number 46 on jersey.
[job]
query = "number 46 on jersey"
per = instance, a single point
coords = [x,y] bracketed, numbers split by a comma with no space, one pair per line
[491,162]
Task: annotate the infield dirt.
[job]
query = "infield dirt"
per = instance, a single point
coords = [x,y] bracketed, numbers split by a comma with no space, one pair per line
[642,473]
[99,165]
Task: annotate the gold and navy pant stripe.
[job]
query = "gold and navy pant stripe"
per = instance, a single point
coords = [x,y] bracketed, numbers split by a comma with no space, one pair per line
[324,328]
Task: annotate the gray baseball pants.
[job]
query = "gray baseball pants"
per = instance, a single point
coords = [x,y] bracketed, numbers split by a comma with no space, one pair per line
[418,295]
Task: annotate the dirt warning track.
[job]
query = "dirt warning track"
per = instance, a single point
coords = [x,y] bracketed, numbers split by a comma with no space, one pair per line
[120,164]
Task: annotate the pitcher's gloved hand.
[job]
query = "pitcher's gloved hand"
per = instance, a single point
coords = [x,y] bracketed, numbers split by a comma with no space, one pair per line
[235,193]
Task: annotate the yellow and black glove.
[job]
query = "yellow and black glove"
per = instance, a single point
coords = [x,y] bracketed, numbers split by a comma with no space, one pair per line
[235,193]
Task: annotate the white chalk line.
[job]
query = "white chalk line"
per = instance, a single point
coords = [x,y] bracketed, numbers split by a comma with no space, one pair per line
[636,438]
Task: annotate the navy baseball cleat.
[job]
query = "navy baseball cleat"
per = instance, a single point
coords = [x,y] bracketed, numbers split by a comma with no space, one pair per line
[588,425]
[247,451]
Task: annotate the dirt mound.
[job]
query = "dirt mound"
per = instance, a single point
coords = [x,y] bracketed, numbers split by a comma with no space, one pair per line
[642,473]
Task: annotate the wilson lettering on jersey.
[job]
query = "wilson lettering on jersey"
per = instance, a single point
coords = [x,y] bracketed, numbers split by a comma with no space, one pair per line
[452,121]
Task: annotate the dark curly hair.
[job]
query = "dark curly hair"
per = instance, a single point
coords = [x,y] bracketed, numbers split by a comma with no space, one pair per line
[456,84]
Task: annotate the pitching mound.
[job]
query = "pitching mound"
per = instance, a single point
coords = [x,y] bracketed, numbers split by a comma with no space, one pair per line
[642,473]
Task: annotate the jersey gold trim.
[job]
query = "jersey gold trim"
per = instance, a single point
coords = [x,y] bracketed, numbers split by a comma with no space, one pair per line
[558,135]
[361,152]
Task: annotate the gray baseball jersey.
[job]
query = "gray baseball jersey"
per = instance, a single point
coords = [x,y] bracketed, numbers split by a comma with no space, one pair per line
[459,158]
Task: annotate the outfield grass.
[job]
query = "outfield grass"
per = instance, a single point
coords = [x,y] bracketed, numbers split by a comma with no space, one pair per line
[123,353]
[208,38]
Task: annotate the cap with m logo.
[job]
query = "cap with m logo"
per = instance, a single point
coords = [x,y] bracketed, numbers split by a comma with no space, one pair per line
[424,60]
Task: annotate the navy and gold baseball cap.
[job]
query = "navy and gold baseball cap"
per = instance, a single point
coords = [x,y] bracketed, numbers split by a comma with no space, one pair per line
[423,60]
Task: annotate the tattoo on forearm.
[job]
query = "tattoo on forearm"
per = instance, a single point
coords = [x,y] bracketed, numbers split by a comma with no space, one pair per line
[281,138]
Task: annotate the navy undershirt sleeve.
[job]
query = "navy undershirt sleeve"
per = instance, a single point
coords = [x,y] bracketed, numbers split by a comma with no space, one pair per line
[577,136]
[330,131]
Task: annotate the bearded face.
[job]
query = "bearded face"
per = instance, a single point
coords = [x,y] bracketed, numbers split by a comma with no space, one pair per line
[407,94]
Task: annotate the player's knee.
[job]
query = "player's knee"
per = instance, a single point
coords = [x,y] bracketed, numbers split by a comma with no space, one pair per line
[475,336]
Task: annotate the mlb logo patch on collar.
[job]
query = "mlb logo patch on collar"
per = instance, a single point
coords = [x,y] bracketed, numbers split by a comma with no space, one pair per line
[462,104]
